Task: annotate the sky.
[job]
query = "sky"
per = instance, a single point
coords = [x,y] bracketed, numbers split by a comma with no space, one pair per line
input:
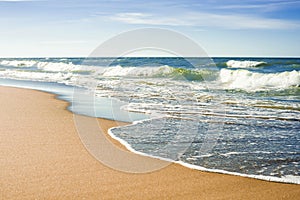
[74,28]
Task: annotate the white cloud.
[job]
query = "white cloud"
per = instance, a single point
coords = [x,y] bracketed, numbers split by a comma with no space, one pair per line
[148,19]
[228,21]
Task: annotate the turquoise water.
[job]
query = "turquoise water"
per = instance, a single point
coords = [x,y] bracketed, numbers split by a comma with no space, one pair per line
[238,115]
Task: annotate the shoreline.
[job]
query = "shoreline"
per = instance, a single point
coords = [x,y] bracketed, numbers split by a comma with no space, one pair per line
[203,169]
[185,182]
[123,145]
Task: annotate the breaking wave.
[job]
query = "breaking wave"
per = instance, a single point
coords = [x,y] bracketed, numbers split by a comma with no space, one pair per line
[228,78]
[37,76]
[244,64]
[254,81]
[111,71]
[18,63]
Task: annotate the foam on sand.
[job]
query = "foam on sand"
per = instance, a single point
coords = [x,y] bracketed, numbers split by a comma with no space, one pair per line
[284,179]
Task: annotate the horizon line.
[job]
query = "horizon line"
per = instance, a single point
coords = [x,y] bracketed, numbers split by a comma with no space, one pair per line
[218,56]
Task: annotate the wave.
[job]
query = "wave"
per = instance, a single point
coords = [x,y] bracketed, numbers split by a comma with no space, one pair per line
[254,81]
[116,71]
[47,66]
[162,71]
[194,75]
[244,64]
[18,63]
[37,76]
[230,79]
[120,71]
[58,67]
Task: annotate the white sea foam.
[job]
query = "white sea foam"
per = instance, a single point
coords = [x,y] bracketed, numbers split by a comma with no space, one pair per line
[66,73]
[58,67]
[105,71]
[36,76]
[48,66]
[18,63]
[244,64]
[136,71]
[110,71]
[284,179]
[254,81]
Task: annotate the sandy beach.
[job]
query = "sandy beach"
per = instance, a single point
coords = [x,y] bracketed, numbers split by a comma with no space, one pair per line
[42,157]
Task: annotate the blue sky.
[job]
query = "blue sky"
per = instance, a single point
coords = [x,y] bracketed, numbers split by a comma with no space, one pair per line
[53,28]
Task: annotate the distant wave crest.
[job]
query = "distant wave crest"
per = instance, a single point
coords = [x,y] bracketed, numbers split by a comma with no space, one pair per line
[18,63]
[244,64]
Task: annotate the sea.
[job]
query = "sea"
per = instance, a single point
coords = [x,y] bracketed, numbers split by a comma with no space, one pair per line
[228,115]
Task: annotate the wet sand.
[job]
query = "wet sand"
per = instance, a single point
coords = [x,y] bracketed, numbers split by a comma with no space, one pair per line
[42,157]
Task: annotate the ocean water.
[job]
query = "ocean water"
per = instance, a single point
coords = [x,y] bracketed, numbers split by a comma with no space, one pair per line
[231,115]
